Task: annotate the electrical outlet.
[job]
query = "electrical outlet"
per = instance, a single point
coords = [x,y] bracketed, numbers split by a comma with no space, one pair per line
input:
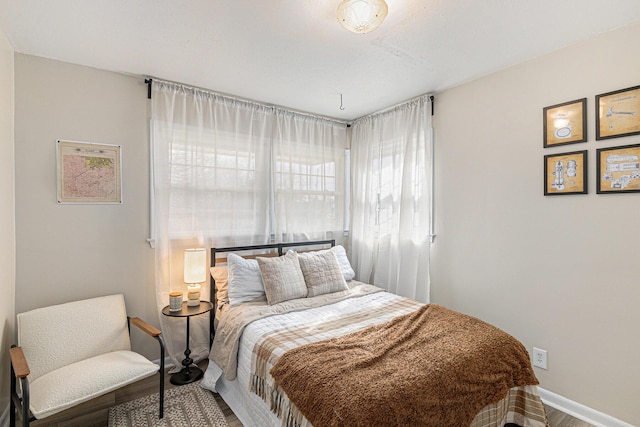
[540,358]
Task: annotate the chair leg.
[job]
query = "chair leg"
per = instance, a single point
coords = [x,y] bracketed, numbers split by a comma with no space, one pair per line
[161,394]
[25,402]
[12,414]
[15,402]
[161,399]
[12,405]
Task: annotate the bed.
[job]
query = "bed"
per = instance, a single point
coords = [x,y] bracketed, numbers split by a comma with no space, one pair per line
[298,342]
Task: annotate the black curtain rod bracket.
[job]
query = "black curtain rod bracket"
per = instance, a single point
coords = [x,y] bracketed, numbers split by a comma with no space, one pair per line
[148,83]
[432,99]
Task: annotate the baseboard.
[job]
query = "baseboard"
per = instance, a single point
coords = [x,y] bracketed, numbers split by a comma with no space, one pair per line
[167,362]
[580,411]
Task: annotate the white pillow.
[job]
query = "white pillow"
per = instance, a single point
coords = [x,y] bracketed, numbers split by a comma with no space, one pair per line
[343,262]
[245,281]
[341,256]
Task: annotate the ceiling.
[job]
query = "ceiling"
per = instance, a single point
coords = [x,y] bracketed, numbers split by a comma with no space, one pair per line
[295,54]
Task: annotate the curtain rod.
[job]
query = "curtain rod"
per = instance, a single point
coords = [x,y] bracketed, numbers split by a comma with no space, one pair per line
[149,80]
[432,99]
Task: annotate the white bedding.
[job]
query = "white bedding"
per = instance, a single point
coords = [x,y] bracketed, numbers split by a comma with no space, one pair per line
[251,409]
[522,404]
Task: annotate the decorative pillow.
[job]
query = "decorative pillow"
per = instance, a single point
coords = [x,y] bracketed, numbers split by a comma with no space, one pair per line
[221,277]
[341,256]
[282,278]
[322,274]
[343,262]
[245,281]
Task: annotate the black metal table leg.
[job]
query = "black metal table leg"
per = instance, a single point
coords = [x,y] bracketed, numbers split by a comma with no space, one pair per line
[188,373]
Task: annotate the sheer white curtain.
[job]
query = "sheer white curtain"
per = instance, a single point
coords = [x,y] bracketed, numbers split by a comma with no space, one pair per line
[211,186]
[390,198]
[309,180]
[228,172]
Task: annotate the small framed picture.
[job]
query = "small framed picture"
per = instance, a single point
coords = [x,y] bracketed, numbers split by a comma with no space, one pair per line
[618,169]
[565,123]
[618,113]
[565,173]
[88,172]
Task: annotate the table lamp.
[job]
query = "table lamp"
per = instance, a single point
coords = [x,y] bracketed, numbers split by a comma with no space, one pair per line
[195,272]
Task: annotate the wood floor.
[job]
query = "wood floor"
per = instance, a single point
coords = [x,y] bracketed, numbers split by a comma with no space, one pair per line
[95,413]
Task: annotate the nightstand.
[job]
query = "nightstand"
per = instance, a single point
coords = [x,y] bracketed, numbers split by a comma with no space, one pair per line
[189,373]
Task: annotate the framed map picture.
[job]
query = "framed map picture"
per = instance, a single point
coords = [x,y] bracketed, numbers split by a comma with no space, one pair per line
[88,172]
[618,169]
[618,113]
[565,173]
[565,123]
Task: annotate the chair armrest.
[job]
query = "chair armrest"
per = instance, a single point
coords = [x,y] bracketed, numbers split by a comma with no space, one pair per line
[144,326]
[19,363]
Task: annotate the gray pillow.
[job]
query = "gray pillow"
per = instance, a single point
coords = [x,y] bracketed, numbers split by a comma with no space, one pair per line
[282,278]
[322,273]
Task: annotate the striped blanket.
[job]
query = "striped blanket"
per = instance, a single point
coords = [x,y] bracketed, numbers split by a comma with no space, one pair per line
[521,405]
[224,351]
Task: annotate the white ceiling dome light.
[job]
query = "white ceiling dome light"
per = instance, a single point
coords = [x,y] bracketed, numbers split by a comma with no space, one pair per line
[362,16]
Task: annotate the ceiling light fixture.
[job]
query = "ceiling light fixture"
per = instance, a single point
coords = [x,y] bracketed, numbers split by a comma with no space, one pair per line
[362,16]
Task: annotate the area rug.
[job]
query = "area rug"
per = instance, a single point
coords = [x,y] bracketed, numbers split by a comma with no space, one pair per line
[184,406]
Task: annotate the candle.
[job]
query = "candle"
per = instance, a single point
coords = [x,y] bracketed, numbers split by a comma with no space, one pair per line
[175,301]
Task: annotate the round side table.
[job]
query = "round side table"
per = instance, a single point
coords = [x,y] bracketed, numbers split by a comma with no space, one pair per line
[189,373]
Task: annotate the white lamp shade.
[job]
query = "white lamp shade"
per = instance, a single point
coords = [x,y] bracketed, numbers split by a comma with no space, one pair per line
[362,16]
[195,265]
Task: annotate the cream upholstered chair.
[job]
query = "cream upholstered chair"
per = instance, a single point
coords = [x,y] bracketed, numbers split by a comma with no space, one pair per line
[70,353]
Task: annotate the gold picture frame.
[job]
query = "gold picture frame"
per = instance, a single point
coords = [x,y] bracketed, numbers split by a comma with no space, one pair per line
[618,169]
[618,113]
[565,173]
[565,123]
[88,172]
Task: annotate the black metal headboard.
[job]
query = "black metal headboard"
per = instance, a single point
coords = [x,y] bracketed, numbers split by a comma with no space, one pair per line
[279,246]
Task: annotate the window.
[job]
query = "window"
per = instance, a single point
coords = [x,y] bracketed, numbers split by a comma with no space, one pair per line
[240,173]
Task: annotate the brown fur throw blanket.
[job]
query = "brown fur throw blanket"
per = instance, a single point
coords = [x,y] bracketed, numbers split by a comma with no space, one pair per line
[433,367]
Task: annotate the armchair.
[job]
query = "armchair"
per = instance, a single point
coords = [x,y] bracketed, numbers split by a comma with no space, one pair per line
[70,353]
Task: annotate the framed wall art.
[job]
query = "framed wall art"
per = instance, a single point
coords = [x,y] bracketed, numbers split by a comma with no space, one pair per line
[565,173]
[618,113]
[565,123]
[88,172]
[618,169]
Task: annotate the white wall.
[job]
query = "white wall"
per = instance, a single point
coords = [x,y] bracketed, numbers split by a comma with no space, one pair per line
[559,273]
[7,215]
[70,252]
